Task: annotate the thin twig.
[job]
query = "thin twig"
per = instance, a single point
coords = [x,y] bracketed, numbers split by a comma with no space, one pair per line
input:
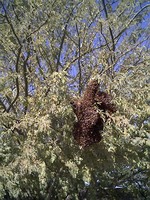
[43,24]
[83,54]
[124,29]
[36,30]
[128,51]
[13,7]
[44,55]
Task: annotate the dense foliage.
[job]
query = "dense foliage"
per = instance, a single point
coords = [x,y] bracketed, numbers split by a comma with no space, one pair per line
[49,50]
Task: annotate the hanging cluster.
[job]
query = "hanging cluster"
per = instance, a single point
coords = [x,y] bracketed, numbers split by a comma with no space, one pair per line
[89,125]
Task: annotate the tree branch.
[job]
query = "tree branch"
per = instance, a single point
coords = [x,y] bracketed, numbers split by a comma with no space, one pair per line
[104,36]
[83,54]
[13,7]
[43,24]
[25,80]
[3,105]
[124,29]
[128,51]
[9,101]
[79,63]
[9,22]
[36,30]
[64,35]
[40,67]
[61,45]
[17,80]
[46,57]
[110,30]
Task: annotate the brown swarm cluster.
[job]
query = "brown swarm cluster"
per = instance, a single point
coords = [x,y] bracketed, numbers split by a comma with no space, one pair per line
[89,125]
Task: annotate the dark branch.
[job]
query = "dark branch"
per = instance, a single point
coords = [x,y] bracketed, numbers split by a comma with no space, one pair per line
[9,22]
[61,45]
[101,30]
[40,67]
[110,30]
[3,105]
[25,80]
[79,63]
[9,101]
[124,29]
[17,80]
[43,24]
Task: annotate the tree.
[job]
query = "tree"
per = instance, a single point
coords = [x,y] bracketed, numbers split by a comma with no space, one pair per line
[49,52]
